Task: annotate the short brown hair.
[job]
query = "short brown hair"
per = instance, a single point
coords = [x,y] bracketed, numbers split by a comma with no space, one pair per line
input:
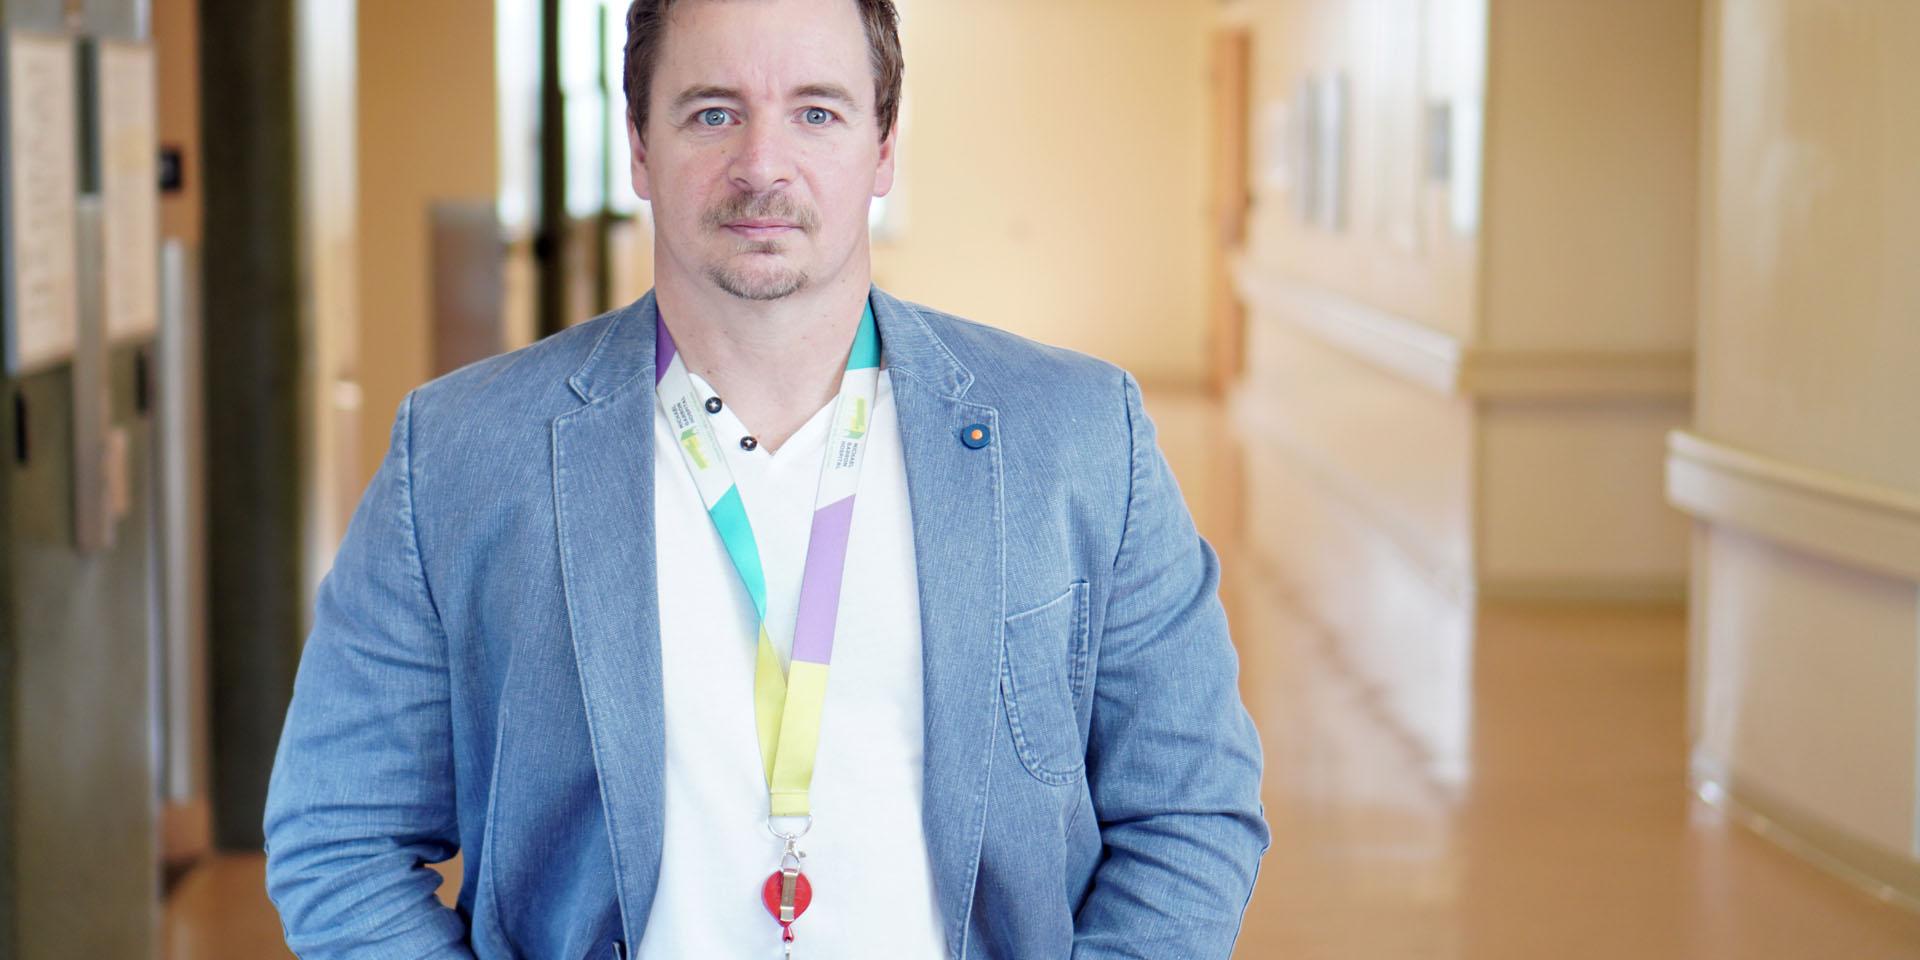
[647,23]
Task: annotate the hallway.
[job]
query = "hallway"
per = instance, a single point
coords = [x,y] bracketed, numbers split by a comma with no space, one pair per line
[1545,373]
[1563,828]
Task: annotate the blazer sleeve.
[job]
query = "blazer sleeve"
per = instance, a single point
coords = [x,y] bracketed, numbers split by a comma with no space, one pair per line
[1173,760]
[362,791]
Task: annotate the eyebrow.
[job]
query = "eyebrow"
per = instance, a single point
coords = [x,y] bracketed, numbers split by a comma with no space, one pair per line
[811,91]
[825,91]
[694,94]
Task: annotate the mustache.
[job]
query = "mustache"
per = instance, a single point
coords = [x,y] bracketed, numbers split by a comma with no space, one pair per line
[767,206]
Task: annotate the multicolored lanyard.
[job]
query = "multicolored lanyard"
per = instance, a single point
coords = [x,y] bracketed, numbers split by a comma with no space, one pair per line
[786,708]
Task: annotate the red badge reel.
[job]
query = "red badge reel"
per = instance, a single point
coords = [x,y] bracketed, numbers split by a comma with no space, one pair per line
[787,892]
[787,895]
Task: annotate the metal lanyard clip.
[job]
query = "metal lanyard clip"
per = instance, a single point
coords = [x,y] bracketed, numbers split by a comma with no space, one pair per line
[789,882]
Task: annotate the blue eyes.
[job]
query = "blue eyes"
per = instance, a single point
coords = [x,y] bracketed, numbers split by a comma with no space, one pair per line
[720,117]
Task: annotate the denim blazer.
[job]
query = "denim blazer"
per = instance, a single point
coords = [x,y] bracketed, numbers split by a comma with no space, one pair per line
[483,674]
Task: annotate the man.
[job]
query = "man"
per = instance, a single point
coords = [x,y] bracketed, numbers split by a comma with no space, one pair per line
[582,624]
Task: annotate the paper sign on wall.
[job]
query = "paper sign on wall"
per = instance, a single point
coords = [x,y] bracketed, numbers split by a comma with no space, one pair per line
[129,178]
[41,287]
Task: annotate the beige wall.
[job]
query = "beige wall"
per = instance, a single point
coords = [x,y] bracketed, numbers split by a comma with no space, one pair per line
[427,132]
[1401,249]
[1811,333]
[1053,165]
[1514,240]
[1592,129]
[1803,469]
[1584,239]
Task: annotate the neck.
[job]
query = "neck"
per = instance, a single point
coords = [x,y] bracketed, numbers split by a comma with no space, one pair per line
[774,362]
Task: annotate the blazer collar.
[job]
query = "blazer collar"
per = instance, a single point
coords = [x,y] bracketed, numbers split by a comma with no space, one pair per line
[625,349]
[912,348]
[623,352]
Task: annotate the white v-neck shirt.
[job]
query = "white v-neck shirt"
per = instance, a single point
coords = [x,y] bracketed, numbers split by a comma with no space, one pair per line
[873,891]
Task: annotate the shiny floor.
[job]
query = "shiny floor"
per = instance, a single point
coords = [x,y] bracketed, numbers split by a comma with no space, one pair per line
[1532,803]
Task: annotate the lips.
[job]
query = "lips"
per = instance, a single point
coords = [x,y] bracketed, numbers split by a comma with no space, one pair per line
[761,229]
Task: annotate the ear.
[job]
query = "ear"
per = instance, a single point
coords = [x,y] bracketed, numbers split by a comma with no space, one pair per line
[637,160]
[883,174]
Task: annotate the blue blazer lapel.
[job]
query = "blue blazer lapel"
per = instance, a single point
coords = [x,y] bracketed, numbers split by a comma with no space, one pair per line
[603,502]
[959,541]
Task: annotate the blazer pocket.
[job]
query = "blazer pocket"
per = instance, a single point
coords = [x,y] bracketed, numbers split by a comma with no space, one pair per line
[1041,678]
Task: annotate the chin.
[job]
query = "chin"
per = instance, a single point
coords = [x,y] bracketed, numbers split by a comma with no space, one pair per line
[759,283]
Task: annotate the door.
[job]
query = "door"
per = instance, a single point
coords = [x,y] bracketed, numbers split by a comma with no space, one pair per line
[1230,197]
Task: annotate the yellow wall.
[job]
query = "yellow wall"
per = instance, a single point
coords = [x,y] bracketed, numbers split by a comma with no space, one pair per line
[1810,338]
[1053,166]
[427,109]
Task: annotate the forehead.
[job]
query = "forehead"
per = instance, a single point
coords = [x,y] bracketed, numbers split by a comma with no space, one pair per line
[764,48]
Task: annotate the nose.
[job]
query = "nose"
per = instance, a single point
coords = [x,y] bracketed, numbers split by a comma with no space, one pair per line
[765,158]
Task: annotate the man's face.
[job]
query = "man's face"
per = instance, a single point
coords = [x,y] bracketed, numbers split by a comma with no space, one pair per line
[763,147]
